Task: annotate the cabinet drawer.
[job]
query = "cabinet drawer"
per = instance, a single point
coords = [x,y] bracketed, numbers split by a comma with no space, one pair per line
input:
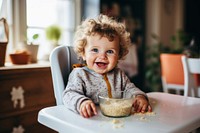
[24,91]
[27,122]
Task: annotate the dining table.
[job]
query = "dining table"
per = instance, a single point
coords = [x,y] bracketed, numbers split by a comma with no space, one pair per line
[171,114]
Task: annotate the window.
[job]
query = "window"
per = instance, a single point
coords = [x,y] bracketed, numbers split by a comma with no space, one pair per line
[29,17]
[34,16]
[42,13]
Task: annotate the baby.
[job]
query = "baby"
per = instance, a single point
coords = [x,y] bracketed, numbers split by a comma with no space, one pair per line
[101,43]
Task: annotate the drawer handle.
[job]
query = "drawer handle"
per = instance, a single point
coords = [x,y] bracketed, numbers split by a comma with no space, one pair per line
[18,129]
[18,97]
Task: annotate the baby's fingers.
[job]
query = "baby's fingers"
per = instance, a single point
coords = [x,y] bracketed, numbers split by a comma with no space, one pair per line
[139,108]
[144,109]
[83,112]
[89,110]
[149,108]
[135,104]
[94,108]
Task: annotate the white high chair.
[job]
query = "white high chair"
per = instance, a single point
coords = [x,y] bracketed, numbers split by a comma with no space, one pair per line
[191,66]
[61,60]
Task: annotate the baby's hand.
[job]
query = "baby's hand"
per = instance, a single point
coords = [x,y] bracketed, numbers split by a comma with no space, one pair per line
[141,104]
[87,109]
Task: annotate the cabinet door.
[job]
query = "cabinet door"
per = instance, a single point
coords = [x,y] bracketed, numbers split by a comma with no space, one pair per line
[25,123]
[27,90]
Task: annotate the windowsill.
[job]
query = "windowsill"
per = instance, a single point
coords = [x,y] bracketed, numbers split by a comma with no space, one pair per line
[39,64]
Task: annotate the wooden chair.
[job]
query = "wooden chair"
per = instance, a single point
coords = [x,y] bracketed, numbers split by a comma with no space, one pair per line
[172,73]
[191,66]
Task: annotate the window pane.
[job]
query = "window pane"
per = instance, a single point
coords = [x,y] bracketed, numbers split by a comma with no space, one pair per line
[32,31]
[66,14]
[68,38]
[42,13]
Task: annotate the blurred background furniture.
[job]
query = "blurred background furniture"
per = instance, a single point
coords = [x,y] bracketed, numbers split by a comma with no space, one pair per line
[172,73]
[24,90]
[61,60]
[191,66]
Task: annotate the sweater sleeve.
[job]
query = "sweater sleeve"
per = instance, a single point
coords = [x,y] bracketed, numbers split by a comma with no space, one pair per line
[130,87]
[74,92]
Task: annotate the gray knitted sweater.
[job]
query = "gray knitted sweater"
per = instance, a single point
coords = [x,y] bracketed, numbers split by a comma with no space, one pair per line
[84,83]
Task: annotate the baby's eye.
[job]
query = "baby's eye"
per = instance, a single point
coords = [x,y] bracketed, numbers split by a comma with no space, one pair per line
[110,51]
[95,50]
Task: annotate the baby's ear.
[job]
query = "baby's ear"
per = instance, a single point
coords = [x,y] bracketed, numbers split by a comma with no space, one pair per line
[83,56]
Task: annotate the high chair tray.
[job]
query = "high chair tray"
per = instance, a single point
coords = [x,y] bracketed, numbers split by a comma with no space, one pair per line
[171,114]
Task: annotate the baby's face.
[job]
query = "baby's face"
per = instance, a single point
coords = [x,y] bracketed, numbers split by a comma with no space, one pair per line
[100,54]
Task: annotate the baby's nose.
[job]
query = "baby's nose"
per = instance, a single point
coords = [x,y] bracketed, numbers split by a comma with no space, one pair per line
[102,55]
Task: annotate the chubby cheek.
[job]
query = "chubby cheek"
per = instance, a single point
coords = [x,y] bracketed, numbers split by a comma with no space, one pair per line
[90,60]
[114,63]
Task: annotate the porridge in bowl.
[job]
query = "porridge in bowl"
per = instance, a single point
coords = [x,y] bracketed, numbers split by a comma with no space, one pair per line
[120,105]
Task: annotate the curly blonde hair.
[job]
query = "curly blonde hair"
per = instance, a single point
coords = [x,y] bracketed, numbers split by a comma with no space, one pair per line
[105,27]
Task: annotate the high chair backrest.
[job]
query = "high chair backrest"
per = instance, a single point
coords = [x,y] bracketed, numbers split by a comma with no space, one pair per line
[61,60]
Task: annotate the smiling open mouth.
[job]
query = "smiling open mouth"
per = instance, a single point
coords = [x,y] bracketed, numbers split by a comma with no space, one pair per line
[101,64]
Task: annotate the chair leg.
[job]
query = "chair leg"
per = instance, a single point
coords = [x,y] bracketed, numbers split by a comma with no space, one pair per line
[187,91]
[178,92]
[164,85]
[166,90]
[195,91]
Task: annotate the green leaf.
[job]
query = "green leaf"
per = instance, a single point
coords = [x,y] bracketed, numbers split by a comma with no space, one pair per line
[35,36]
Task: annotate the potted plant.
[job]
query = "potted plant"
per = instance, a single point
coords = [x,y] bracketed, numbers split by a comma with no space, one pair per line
[193,50]
[53,34]
[32,47]
[33,39]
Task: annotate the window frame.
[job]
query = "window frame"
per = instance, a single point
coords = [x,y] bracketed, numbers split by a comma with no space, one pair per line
[19,28]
